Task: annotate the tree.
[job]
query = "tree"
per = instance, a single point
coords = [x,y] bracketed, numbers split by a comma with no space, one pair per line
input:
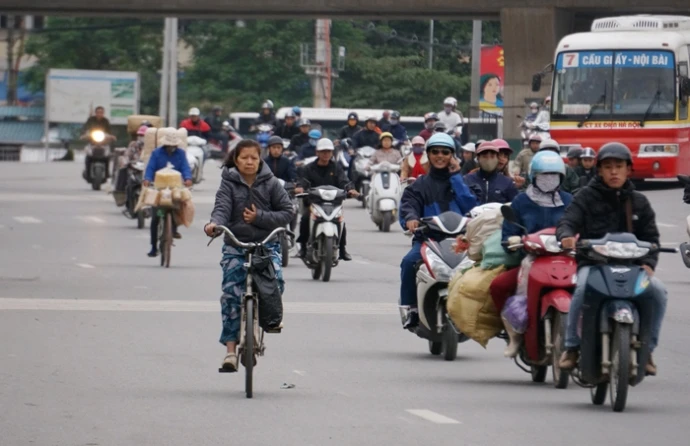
[15,51]
[100,44]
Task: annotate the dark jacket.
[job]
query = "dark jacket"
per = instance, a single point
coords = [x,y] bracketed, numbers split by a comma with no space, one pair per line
[597,210]
[282,168]
[298,141]
[274,208]
[215,122]
[491,188]
[467,166]
[269,119]
[585,176]
[306,151]
[433,194]
[533,216]
[287,132]
[93,123]
[333,174]
[365,137]
[399,132]
[384,125]
[348,132]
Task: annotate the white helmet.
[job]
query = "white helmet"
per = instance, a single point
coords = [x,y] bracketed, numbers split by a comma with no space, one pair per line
[450,101]
[550,144]
[226,124]
[194,111]
[267,104]
[324,144]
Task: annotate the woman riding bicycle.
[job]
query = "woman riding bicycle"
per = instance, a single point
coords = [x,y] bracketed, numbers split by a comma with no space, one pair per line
[251,203]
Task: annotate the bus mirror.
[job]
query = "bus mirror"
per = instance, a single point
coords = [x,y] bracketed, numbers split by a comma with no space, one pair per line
[684,88]
[536,82]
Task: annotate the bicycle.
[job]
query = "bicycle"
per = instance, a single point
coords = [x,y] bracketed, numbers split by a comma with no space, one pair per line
[165,234]
[252,345]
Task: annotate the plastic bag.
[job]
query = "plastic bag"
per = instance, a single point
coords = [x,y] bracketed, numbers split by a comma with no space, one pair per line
[266,285]
[493,254]
[480,228]
[523,275]
[165,199]
[515,312]
[185,214]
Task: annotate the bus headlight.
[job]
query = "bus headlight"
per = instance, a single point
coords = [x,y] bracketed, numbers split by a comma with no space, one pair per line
[658,150]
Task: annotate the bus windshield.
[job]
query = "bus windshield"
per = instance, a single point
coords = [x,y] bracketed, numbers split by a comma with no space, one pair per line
[614,85]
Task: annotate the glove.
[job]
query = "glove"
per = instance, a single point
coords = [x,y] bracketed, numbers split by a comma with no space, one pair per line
[514,240]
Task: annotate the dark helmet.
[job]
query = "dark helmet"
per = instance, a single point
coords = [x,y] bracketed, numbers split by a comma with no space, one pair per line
[614,150]
[274,141]
[303,122]
[217,108]
[346,144]
[353,115]
[574,152]
[440,126]
[395,114]
[430,116]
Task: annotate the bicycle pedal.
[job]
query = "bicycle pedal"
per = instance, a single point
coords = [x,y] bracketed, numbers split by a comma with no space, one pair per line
[222,370]
[275,330]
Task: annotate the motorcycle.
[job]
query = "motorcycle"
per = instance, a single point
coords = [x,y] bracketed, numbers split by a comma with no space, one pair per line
[287,242]
[362,174]
[384,195]
[325,227]
[263,133]
[549,292]
[439,264]
[195,157]
[98,151]
[617,317]
[528,128]
[133,191]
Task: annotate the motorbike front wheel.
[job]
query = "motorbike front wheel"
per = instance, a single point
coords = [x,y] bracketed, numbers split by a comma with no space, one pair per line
[387,220]
[327,259]
[558,325]
[620,366]
[450,342]
[97,178]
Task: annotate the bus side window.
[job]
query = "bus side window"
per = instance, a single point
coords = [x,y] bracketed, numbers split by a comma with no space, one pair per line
[683,111]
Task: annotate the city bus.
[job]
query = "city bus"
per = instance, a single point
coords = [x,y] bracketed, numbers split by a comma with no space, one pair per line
[626,80]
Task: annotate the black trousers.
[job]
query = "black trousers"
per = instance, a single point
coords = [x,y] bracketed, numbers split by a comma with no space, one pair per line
[155,220]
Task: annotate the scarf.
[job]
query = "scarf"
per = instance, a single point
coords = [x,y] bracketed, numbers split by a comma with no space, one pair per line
[545,199]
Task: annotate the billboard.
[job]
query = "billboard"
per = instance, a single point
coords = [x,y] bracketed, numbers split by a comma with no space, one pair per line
[72,95]
[491,80]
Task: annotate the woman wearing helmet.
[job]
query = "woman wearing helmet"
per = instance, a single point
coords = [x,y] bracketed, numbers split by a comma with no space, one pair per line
[610,203]
[541,206]
[368,136]
[430,119]
[428,196]
[386,152]
[488,183]
[417,162]
[571,184]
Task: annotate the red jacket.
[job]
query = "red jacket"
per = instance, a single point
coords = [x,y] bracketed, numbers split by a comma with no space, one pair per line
[426,134]
[200,129]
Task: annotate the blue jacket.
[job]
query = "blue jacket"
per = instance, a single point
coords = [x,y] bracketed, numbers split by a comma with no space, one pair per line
[491,188]
[160,159]
[399,132]
[434,194]
[306,151]
[282,168]
[534,217]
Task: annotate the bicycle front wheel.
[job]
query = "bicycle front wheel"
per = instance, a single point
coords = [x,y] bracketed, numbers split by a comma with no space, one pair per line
[249,347]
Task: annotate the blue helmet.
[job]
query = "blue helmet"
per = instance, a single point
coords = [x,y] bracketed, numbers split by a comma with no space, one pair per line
[314,134]
[441,140]
[546,162]
[296,110]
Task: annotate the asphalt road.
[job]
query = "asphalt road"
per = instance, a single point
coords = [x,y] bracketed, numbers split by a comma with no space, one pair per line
[101,346]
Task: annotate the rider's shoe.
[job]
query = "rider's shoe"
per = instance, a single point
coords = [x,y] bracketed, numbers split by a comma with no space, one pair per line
[276,329]
[568,359]
[177,235]
[516,339]
[303,251]
[344,255]
[230,363]
[650,367]
[153,252]
[412,320]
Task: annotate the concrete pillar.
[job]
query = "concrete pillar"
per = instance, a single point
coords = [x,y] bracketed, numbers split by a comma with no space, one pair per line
[530,36]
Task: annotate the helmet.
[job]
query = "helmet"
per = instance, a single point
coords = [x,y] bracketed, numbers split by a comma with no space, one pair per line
[502,144]
[268,105]
[574,152]
[371,118]
[546,162]
[274,140]
[395,114]
[418,140]
[450,101]
[315,134]
[534,137]
[217,108]
[440,126]
[194,111]
[486,146]
[324,144]
[142,130]
[614,150]
[469,147]
[226,124]
[547,99]
[386,135]
[352,115]
[550,144]
[297,110]
[533,105]
[303,122]
[588,152]
[441,140]
[429,116]
[289,114]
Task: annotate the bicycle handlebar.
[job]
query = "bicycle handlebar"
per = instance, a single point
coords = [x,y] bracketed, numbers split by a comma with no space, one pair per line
[220,229]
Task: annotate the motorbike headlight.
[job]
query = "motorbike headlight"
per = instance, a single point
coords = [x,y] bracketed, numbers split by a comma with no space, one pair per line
[617,250]
[437,267]
[550,243]
[98,136]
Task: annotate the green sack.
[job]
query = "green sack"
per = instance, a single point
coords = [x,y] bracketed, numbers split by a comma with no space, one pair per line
[493,254]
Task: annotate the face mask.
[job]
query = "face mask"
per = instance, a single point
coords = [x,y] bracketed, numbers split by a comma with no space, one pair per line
[488,164]
[448,109]
[394,122]
[534,110]
[418,150]
[548,182]
[429,125]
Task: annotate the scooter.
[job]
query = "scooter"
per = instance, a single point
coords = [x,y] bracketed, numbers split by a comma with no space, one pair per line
[549,292]
[263,133]
[617,318]
[133,191]
[528,128]
[287,242]
[439,264]
[99,152]
[362,174]
[325,228]
[195,157]
[384,195]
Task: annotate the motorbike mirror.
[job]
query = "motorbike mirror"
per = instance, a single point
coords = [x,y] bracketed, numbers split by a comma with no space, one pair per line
[684,179]
[536,82]
[509,215]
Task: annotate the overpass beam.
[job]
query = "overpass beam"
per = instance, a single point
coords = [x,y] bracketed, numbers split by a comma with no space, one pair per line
[530,36]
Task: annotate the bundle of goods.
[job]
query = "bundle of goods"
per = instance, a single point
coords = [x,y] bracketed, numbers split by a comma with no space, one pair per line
[150,144]
[182,136]
[168,192]
[136,121]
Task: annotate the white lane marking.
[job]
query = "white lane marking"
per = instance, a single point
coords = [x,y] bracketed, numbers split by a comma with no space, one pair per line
[28,219]
[299,372]
[85,265]
[90,219]
[432,416]
[666,225]
[335,308]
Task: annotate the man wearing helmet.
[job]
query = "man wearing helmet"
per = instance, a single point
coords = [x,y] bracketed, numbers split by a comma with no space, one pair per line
[541,206]
[215,121]
[488,184]
[384,124]
[324,172]
[266,116]
[533,112]
[309,149]
[572,181]
[280,165]
[448,115]
[573,156]
[368,136]
[194,125]
[302,137]
[288,128]
[524,158]
[587,170]
[610,203]
[351,128]
[468,163]
[428,196]
[430,119]
[398,130]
